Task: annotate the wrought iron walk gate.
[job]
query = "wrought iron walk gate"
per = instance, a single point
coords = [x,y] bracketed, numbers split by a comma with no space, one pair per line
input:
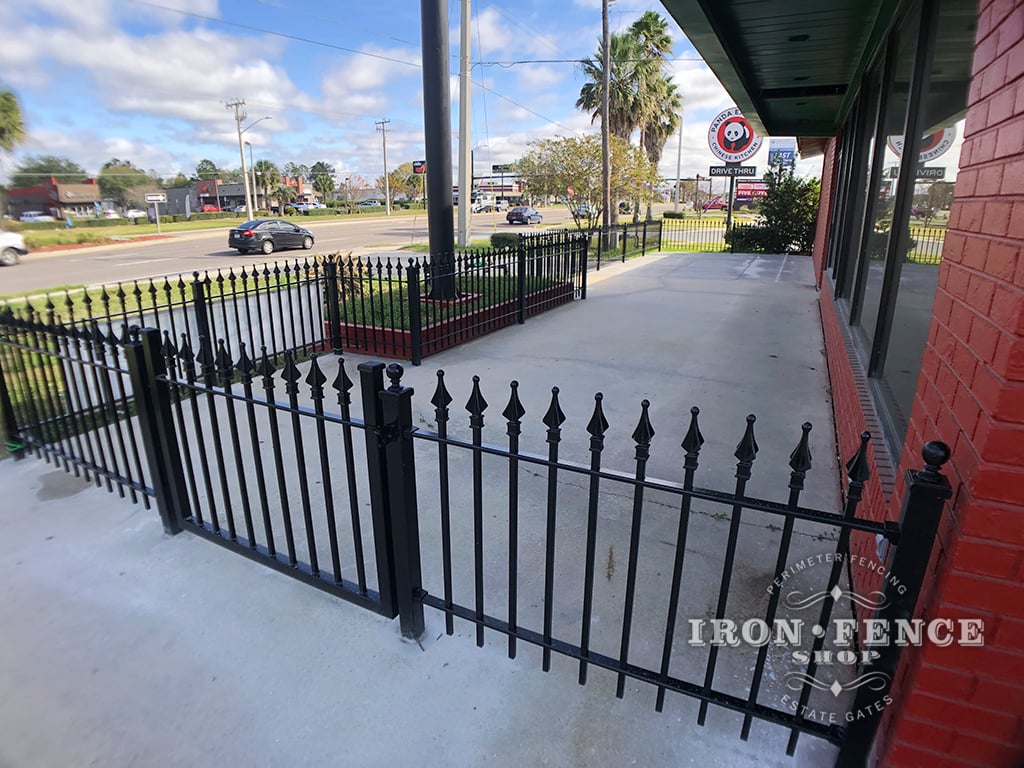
[508,539]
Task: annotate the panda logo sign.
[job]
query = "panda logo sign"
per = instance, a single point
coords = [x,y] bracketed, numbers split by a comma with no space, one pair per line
[731,138]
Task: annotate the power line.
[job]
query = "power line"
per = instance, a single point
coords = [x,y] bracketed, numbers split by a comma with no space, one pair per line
[274,33]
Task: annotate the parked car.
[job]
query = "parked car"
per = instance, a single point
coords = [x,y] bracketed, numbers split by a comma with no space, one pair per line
[30,216]
[210,209]
[583,211]
[523,215]
[111,214]
[134,213]
[369,203]
[12,248]
[268,235]
[239,209]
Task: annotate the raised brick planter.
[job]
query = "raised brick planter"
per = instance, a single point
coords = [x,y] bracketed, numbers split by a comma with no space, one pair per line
[449,332]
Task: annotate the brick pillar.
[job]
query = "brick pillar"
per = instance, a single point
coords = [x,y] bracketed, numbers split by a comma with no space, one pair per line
[824,211]
[963,706]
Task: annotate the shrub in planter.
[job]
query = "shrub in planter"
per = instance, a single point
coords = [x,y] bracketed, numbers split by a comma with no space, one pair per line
[673,215]
[750,239]
[504,240]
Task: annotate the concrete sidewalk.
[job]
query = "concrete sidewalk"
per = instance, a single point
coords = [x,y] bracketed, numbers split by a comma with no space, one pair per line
[126,647]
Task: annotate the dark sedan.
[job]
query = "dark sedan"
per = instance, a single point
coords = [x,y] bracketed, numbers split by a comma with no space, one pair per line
[523,215]
[269,235]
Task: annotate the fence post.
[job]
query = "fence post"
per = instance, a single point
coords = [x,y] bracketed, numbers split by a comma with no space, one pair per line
[397,428]
[7,415]
[200,310]
[625,241]
[926,494]
[333,300]
[661,233]
[371,384]
[643,242]
[412,287]
[583,247]
[156,426]
[521,282]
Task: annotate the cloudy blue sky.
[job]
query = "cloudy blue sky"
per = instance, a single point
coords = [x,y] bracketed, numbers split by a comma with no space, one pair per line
[147,81]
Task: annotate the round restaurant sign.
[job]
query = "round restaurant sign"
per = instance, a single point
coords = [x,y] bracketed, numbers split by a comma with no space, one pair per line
[932,146]
[731,138]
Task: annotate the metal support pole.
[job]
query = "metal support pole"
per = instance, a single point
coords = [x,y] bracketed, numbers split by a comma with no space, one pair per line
[201,313]
[333,299]
[156,427]
[521,279]
[382,126]
[412,285]
[437,135]
[465,146]
[679,164]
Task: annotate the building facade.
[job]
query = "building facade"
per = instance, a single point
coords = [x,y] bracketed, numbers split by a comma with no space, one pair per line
[56,199]
[918,349]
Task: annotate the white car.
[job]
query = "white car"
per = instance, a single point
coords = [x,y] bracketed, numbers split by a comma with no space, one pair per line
[12,248]
[135,213]
[30,216]
[369,203]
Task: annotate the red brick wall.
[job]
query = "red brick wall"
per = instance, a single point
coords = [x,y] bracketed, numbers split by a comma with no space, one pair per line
[971,395]
[964,706]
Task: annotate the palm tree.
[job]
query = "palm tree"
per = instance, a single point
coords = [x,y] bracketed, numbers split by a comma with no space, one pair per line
[12,127]
[625,72]
[268,176]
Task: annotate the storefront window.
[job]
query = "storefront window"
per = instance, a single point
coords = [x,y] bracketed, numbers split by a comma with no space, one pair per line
[895,204]
[882,194]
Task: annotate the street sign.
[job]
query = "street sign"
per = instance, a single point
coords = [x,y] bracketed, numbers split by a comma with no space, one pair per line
[501,168]
[782,152]
[732,170]
[419,166]
[156,197]
[731,138]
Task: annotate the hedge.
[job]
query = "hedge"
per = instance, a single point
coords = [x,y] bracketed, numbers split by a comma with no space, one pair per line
[505,240]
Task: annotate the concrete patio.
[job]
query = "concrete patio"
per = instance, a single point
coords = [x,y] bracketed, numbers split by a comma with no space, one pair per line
[127,647]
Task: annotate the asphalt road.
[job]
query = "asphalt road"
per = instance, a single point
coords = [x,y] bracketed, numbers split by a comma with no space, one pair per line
[206,249]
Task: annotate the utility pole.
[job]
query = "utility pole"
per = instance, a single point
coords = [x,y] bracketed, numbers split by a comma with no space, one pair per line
[465,146]
[240,114]
[437,134]
[679,163]
[606,160]
[382,126]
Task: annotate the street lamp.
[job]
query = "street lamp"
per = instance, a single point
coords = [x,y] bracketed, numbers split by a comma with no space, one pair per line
[245,175]
[252,167]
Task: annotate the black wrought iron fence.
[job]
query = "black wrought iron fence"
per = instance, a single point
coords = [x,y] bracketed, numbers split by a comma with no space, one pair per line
[411,308]
[66,397]
[926,244]
[624,241]
[512,541]
[693,234]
